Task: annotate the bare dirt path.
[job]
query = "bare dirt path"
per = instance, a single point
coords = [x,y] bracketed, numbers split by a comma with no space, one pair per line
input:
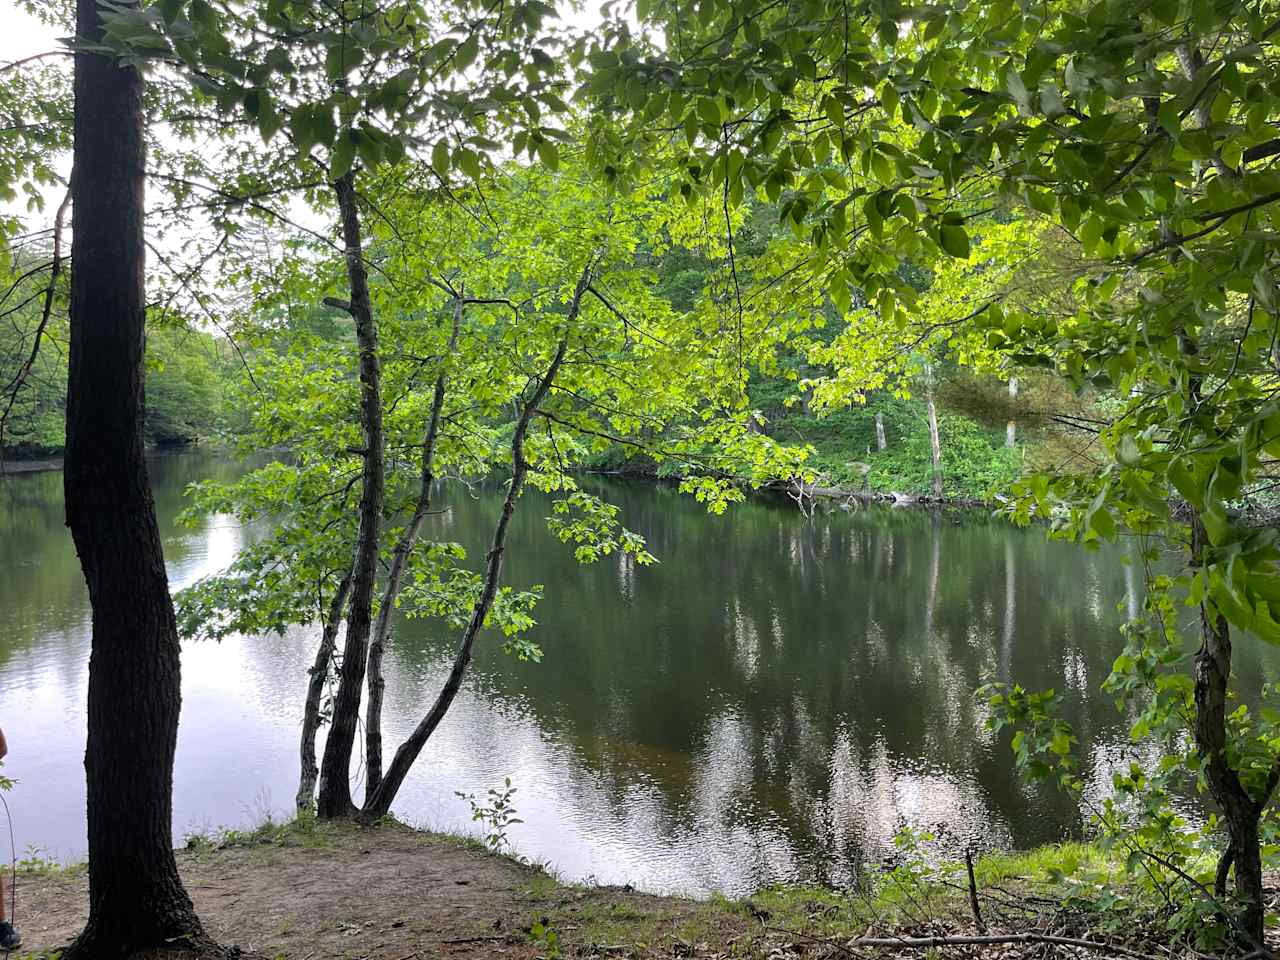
[388,893]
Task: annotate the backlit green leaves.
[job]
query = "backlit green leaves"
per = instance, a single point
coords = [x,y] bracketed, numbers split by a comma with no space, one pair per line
[348,86]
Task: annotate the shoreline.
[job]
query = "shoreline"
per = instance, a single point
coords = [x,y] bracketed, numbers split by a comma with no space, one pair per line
[21,465]
[42,465]
[799,493]
[308,888]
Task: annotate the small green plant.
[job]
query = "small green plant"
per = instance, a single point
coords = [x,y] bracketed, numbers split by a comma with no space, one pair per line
[541,933]
[498,814]
[37,860]
[914,873]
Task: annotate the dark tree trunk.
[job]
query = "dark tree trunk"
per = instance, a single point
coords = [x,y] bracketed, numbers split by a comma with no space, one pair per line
[136,900]
[335,777]
[319,673]
[1240,811]
[395,576]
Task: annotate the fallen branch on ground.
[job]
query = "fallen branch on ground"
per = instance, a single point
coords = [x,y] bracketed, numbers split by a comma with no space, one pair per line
[907,943]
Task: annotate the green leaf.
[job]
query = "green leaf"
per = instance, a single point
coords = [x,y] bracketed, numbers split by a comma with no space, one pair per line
[467,52]
[269,121]
[954,240]
[368,148]
[440,157]
[1018,90]
[549,155]
[468,161]
[342,156]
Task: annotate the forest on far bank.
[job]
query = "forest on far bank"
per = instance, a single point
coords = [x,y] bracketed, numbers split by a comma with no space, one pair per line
[989,431]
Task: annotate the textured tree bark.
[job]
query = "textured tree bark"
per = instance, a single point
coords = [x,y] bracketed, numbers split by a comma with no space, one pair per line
[881,442]
[1240,811]
[335,777]
[378,802]
[377,684]
[136,900]
[935,442]
[319,673]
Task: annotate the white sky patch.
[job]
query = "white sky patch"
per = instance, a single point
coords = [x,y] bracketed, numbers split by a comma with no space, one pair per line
[23,35]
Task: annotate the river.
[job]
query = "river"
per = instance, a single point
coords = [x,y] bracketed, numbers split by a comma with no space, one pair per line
[773,701]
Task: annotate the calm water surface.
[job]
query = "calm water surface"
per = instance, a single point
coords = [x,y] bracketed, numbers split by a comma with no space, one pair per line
[774,700]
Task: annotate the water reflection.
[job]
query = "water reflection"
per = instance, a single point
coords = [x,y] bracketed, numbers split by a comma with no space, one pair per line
[774,700]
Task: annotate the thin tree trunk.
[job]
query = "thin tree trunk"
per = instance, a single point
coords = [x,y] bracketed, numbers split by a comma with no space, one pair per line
[935,442]
[1191,61]
[377,683]
[14,387]
[1011,428]
[335,768]
[378,803]
[1239,810]
[136,899]
[319,673]
[881,442]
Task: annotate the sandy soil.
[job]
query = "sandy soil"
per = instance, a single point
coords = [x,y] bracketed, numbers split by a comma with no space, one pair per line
[384,894]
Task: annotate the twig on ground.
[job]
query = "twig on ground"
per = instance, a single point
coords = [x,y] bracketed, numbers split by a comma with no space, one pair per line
[907,943]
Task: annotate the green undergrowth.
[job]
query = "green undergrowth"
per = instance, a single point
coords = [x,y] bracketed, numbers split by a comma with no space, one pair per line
[1017,891]
[302,831]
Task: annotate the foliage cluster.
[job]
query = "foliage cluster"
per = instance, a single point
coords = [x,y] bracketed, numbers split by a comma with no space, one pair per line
[861,195]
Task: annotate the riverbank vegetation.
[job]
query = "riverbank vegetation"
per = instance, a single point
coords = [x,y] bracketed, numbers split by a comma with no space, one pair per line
[463,241]
[199,382]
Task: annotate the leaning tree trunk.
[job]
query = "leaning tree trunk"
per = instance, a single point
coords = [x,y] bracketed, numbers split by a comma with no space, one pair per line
[378,802]
[306,797]
[399,558]
[335,776]
[380,799]
[136,899]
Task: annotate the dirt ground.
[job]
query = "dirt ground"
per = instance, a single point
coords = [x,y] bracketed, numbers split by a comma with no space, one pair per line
[388,893]
[321,891]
